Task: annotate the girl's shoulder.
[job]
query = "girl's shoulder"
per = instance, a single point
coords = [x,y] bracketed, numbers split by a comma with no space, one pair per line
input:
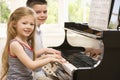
[14,40]
[15,43]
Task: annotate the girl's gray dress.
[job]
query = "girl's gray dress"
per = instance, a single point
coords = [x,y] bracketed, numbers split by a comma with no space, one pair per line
[17,70]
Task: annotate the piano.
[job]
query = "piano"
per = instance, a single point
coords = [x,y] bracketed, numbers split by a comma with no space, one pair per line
[83,67]
[75,55]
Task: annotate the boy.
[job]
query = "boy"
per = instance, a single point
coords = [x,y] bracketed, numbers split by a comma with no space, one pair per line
[40,7]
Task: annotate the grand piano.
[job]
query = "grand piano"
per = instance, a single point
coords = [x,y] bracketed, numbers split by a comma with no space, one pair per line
[84,67]
[76,55]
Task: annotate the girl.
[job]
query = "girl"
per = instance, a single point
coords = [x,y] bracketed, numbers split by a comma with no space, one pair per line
[18,58]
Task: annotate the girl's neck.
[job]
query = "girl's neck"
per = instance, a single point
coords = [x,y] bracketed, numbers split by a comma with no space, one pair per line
[24,40]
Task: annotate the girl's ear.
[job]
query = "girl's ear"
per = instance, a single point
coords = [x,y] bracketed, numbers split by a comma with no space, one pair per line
[14,24]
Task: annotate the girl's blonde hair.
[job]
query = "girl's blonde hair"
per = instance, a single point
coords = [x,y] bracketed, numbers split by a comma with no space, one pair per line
[11,34]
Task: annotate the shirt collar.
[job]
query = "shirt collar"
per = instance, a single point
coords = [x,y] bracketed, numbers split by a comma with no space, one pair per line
[38,29]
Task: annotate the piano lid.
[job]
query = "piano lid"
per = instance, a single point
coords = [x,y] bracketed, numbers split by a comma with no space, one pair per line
[83,29]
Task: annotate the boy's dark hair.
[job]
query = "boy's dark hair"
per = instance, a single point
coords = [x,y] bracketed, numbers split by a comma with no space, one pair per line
[31,3]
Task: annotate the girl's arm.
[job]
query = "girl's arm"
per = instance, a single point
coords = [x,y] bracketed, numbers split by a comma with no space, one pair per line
[17,50]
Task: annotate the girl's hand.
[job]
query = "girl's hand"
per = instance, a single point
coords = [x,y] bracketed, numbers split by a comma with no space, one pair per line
[52,51]
[56,58]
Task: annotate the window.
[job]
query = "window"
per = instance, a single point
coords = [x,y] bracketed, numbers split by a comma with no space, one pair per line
[52,11]
[4,12]
[114,15]
[60,11]
[79,10]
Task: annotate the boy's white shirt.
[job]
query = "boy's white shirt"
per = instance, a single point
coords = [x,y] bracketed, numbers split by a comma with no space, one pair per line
[38,46]
[38,39]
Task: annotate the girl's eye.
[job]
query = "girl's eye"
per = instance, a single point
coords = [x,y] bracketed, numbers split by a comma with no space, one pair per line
[24,23]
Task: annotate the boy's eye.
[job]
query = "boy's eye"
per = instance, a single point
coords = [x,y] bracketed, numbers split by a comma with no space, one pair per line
[38,12]
[45,11]
[31,24]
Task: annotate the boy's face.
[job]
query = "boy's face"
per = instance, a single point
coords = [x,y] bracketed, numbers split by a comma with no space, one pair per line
[41,11]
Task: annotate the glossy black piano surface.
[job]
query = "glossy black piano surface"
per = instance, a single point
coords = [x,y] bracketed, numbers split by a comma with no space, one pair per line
[109,68]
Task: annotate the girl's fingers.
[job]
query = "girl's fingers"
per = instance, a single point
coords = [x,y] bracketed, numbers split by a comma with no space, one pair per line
[54,51]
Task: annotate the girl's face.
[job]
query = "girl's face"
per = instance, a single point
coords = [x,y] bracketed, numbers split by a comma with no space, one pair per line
[25,26]
[41,11]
